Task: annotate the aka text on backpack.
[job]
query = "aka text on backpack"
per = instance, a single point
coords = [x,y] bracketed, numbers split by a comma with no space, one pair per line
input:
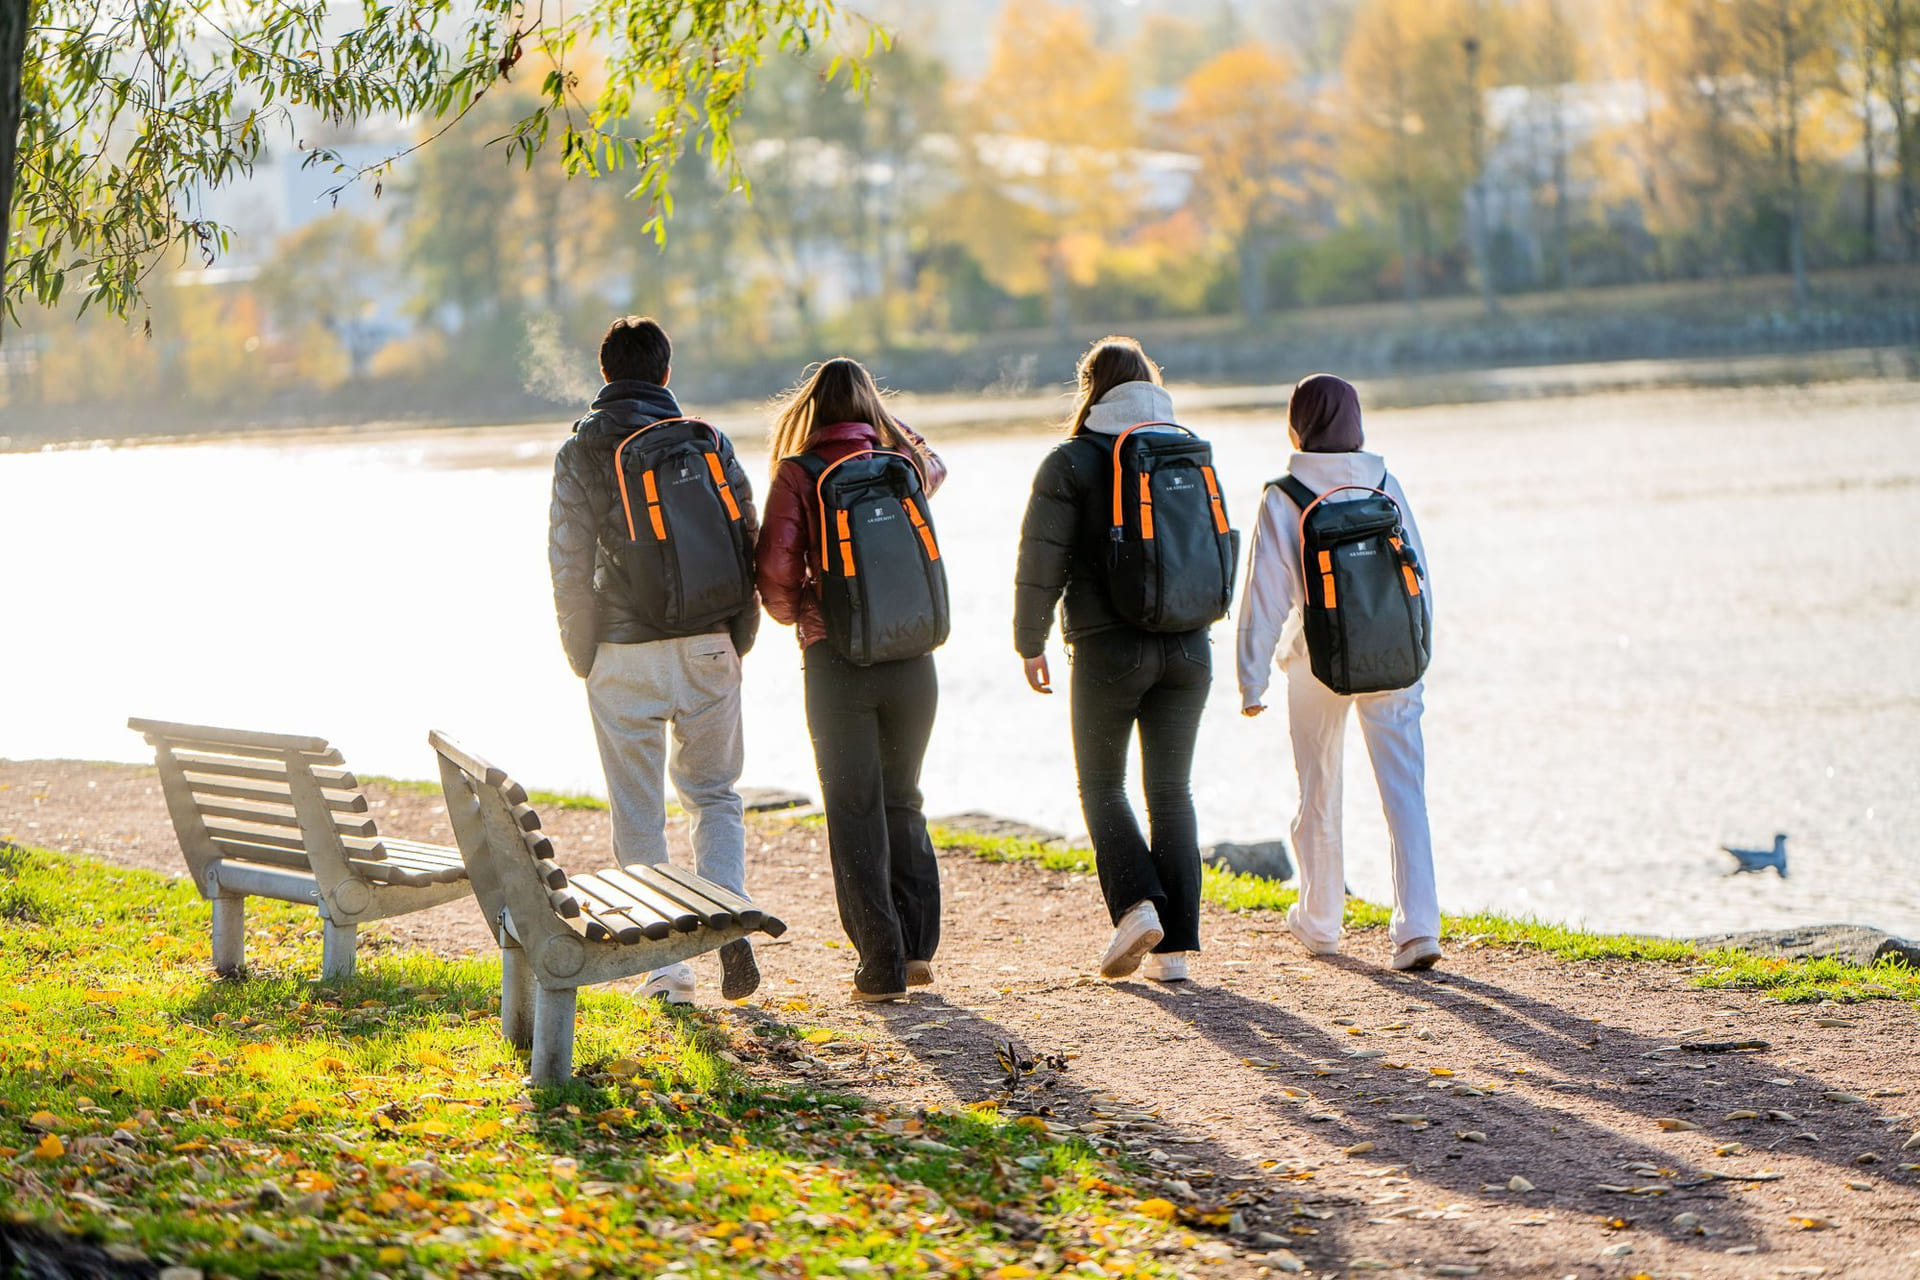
[687,558]
[883,587]
[1367,625]
[1172,555]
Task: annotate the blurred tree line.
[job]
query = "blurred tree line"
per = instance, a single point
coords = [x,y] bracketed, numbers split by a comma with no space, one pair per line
[1381,150]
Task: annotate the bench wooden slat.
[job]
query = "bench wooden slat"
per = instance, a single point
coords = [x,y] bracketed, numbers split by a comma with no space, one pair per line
[261,770]
[651,922]
[268,815]
[606,922]
[221,738]
[673,912]
[247,751]
[720,896]
[256,833]
[339,802]
[552,874]
[526,816]
[564,904]
[710,913]
[274,856]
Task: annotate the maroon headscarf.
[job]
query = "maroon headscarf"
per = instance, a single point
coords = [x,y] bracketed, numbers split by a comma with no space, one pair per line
[1325,414]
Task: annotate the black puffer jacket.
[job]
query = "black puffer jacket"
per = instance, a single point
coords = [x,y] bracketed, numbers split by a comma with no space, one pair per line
[589,592]
[1061,540]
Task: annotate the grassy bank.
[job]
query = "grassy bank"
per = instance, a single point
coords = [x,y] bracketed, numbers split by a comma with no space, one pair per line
[275,1126]
[1794,981]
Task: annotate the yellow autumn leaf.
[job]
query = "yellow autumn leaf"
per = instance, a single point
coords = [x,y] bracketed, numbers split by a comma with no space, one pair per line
[44,1120]
[391,1256]
[337,1066]
[1011,1271]
[435,1058]
[18,1007]
[50,1147]
[819,1035]
[1158,1208]
[1439,1071]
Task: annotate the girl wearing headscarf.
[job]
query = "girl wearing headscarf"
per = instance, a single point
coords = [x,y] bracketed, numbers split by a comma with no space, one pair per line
[1324,423]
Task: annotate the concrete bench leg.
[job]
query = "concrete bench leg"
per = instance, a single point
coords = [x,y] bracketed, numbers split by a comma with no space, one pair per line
[229,934]
[516,994]
[336,950]
[553,1034]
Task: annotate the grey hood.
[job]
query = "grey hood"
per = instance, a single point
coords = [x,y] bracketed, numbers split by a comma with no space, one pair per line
[1130,404]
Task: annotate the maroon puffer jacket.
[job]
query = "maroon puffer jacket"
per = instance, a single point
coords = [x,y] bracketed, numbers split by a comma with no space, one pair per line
[790,520]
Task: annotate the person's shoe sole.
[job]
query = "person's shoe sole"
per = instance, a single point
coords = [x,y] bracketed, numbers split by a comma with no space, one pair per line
[1127,961]
[739,971]
[875,997]
[919,973]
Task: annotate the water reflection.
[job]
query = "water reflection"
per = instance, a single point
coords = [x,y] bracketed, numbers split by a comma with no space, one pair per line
[1666,620]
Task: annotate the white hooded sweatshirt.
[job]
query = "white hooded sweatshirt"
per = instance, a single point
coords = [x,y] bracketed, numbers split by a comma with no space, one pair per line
[1128,404]
[1270,608]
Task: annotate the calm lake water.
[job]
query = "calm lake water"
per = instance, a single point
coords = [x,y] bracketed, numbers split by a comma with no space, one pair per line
[1668,620]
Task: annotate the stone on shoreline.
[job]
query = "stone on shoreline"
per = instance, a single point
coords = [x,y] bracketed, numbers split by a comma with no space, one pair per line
[1266,858]
[773,799]
[1856,944]
[979,823]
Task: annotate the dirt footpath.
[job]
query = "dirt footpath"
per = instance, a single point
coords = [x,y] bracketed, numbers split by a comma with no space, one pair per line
[1509,1115]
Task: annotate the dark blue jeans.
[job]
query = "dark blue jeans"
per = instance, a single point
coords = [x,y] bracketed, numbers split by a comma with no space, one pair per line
[1123,678]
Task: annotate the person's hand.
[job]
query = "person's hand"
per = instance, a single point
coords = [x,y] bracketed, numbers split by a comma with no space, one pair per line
[1038,678]
[1254,710]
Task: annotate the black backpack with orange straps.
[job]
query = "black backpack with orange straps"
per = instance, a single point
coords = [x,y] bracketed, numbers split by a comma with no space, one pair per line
[687,558]
[1171,554]
[883,586]
[1365,616]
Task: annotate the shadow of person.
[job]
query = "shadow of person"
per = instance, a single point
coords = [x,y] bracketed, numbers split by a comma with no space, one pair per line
[1666,1081]
[1394,1114]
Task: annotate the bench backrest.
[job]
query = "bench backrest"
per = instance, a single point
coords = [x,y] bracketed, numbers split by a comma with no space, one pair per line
[509,862]
[277,800]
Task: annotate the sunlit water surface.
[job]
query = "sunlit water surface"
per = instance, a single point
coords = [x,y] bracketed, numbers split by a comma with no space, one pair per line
[1667,620]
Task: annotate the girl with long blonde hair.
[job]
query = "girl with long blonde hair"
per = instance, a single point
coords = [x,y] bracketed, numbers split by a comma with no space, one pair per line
[869,723]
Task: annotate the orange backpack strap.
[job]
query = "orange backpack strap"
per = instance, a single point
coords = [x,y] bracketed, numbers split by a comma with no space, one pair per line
[620,474]
[1119,489]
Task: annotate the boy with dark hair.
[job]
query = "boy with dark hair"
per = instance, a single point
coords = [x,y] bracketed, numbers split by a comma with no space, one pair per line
[647,673]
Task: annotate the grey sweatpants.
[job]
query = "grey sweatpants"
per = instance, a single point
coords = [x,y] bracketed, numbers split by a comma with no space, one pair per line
[691,684]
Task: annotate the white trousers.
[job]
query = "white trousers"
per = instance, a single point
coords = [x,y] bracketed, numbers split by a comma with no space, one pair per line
[1390,723]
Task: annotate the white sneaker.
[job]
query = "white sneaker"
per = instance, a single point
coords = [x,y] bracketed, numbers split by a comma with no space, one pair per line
[1166,966]
[1318,948]
[1417,953]
[1137,933]
[673,984]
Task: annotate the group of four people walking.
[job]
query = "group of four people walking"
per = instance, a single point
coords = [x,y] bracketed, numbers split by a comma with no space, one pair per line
[665,696]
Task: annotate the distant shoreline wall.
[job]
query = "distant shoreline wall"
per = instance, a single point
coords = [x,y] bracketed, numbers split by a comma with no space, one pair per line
[1446,353]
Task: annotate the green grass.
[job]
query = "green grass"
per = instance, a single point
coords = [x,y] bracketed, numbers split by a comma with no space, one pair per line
[538,799]
[1794,981]
[278,1126]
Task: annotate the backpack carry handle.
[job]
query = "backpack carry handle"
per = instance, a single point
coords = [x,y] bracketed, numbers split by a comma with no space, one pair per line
[1314,500]
[1119,505]
[653,508]
[819,490]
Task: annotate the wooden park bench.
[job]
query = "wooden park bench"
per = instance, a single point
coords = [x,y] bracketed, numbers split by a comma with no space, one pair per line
[277,816]
[559,933]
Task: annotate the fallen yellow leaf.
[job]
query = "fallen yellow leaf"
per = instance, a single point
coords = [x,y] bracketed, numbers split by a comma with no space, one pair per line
[1158,1208]
[50,1147]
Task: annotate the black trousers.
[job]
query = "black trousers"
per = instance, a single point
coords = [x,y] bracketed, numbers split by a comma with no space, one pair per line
[870,727]
[1122,678]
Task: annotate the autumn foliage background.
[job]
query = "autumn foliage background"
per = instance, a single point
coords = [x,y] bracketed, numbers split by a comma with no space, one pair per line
[1088,167]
